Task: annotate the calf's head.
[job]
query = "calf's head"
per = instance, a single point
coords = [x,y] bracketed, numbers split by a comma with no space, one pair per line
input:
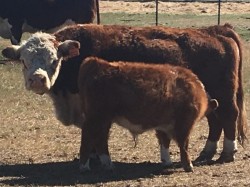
[41,56]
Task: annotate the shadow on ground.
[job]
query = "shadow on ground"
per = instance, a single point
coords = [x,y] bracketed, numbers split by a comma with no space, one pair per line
[67,173]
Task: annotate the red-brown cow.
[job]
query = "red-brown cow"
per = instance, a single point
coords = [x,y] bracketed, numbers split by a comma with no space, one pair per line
[139,97]
[214,54]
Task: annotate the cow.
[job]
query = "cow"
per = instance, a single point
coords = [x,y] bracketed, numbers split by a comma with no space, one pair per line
[214,54]
[139,97]
[18,16]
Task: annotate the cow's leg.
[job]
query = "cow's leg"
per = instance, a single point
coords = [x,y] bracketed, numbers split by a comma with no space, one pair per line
[228,117]
[224,118]
[16,30]
[164,143]
[212,143]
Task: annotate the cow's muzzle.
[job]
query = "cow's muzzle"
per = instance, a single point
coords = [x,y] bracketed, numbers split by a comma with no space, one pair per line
[38,83]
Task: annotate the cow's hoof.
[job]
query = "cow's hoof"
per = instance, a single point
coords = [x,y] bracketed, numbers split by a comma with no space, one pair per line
[188,168]
[226,158]
[109,167]
[84,169]
[204,157]
[167,164]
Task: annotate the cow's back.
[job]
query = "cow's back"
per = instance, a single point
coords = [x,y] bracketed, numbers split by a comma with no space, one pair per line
[190,48]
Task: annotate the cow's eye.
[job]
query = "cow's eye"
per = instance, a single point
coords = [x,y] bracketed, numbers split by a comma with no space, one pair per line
[24,65]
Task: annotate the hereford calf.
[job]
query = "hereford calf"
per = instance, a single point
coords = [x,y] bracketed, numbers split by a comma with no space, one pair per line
[139,97]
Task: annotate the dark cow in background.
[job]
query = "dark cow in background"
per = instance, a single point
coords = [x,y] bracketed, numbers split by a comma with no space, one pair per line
[214,54]
[139,97]
[18,16]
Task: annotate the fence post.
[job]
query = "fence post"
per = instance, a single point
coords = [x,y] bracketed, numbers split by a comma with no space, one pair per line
[98,12]
[156,12]
[219,4]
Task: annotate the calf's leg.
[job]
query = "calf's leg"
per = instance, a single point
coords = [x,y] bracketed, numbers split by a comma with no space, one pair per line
[183,128]
[102,145]
[95,137]
[164,142]
[87,145]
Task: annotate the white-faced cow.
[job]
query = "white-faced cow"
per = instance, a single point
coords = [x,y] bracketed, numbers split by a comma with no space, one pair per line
[139,97]
[18,16]
[214,54]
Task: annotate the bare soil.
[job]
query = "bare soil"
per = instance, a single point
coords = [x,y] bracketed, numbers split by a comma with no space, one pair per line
[175,8]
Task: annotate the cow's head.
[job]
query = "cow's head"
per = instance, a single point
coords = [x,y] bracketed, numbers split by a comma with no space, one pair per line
[41,56]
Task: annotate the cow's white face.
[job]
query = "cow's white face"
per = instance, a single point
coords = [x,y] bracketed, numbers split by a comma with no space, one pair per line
[41,56]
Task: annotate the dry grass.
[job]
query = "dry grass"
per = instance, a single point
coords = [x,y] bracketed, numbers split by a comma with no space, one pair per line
[174,8]
[36,150]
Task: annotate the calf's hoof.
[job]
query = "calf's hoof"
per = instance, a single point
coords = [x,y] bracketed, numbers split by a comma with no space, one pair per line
[188,168]
[106,162]
[109,167]
[84,169]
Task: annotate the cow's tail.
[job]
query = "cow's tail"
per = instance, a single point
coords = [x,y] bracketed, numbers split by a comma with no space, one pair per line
[242,119]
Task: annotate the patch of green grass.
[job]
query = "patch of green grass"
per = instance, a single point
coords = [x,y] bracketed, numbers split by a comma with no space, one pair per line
[240,22]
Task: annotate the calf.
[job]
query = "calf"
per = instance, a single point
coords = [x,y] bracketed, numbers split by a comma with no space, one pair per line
[139,97]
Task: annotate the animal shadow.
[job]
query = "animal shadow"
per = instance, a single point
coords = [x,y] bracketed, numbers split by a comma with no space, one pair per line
[67,173]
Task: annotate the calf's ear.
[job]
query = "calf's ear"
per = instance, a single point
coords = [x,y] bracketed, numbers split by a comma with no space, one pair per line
[69,49]
[11,52]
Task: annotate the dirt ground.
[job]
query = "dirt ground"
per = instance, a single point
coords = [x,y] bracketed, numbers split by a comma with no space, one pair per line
[37,150]
[175,8]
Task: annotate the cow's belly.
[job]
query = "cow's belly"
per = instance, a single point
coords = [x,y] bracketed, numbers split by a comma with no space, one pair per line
[31,29]
[136,129]
[5,27]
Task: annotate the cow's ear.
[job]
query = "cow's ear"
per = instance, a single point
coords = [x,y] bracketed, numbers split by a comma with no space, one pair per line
[11,52]
[69,49]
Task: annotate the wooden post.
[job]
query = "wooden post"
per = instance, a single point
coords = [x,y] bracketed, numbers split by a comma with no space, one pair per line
[219,6]
[97,12]
[156,12]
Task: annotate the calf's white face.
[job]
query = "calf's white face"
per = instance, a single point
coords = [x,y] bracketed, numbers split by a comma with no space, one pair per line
[41,56]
